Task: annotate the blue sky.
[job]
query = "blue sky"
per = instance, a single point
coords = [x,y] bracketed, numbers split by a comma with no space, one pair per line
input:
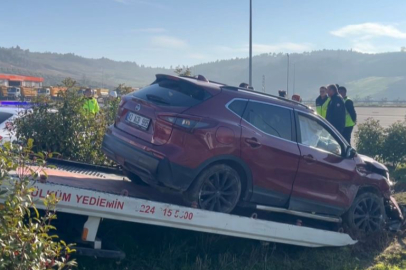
[188,32]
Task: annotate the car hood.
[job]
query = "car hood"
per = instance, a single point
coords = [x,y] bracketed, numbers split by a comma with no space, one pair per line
[373,162]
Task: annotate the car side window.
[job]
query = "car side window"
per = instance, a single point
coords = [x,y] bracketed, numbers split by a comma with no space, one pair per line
[271,119]
[237,106]
[313,134]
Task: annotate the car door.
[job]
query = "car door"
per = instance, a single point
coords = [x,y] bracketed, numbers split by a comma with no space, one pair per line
[268,146]
[324,181]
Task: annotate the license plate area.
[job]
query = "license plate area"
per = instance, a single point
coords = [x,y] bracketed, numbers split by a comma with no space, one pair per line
[138,120]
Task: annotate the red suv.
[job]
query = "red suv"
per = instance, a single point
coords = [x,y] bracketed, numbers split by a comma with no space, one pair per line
[222,145]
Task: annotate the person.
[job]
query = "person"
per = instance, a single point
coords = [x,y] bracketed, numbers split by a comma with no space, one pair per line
[350,114]
[282,93]
[297,98]
[335,109]
[90,105]
[244,85]
[322,102]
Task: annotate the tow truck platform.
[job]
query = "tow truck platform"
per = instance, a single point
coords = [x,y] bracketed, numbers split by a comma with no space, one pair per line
[97,195]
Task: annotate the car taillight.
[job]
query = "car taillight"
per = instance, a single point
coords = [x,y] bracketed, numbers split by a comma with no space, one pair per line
[187,122]
[120,109]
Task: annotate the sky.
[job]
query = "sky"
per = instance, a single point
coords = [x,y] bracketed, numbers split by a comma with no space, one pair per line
[164,33]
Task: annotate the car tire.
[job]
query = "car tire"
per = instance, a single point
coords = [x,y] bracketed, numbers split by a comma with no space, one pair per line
[366,214]
[218,188]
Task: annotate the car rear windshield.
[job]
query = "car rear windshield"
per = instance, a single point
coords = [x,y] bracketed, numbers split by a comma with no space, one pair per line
[173,94]
[4,116]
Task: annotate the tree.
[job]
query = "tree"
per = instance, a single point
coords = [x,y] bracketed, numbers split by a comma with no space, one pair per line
[69,82]
[394,145]
[182,71]
[122,89]
[369,138]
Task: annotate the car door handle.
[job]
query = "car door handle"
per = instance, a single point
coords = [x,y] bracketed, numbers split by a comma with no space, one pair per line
[253,142]
[309,158]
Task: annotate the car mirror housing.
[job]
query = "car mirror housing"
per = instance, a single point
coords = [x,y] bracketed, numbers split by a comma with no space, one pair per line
[350,153]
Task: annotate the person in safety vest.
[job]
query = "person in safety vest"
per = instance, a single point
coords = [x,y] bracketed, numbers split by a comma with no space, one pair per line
[90,106]
[350,114]
[335,109]
[322,102]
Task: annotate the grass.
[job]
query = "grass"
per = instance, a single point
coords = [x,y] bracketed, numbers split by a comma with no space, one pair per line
[159,248]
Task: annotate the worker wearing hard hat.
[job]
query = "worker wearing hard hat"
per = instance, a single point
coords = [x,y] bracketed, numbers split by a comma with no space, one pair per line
[90,106]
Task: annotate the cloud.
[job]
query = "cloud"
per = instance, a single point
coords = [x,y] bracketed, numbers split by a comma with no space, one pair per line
[149,30]
[168,42]
[368,31]
[369,47]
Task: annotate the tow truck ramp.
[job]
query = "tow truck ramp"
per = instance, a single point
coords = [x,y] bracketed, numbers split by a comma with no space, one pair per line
[97,205]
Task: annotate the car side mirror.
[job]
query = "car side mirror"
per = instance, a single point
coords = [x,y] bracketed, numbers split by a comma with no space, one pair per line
[351,152]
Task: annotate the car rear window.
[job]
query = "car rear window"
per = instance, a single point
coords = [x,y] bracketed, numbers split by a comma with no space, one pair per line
[173,94]
[4,116]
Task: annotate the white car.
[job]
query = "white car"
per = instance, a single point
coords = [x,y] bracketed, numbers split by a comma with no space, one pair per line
[7,116]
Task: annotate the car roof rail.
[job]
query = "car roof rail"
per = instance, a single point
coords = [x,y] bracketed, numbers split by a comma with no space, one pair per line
[236,88]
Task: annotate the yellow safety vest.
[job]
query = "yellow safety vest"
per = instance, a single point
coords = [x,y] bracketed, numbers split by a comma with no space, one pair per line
[348,119]
[322,110]
[91,106]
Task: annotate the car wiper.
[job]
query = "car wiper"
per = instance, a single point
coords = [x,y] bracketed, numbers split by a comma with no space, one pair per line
[158,99]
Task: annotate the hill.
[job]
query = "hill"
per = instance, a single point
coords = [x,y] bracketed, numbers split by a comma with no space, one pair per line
[375,75]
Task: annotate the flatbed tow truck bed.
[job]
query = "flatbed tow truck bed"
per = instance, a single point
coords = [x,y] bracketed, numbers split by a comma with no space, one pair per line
[99,195]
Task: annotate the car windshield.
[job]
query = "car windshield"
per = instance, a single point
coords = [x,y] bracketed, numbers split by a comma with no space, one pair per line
[4,116]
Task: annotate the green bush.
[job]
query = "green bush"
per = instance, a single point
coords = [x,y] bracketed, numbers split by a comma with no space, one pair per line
[61,126]
[25,237]
[399,174]
[370,138]
[394,145]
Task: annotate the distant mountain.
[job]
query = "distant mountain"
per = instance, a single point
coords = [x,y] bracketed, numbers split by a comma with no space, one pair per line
[375,75]
[55,67]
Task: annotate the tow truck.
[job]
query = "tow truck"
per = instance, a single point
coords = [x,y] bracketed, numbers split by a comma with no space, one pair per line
[104,193]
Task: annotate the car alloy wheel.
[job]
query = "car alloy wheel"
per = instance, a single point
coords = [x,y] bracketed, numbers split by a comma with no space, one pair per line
[220,189]
[367,213]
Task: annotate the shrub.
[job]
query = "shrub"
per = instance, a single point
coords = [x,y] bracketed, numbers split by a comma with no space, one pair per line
[370,138]
[61,126]
[399,174]
[394,145]
[25,239]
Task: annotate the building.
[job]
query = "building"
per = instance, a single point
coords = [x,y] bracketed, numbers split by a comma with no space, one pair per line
[8,80]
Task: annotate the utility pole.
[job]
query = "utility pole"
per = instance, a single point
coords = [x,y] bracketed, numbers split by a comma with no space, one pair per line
[294,77]
[287,78]
[250,60]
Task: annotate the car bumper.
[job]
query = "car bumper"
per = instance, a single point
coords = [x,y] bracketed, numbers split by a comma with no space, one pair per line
[151,169]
